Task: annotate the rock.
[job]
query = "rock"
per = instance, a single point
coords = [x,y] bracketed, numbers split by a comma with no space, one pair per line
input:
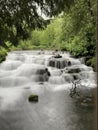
[75,77]
[33,98]
[69,63]
[58,56]
[47,71]
[40,71]
[74,70]
[41,83]
[59,63]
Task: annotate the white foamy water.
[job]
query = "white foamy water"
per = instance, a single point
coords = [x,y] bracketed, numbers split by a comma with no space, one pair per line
[23,73]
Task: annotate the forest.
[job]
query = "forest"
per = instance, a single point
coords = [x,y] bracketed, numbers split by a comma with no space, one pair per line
[71,26]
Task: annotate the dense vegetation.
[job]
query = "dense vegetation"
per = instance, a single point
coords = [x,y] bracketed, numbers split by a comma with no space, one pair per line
[19,17]
[73,30]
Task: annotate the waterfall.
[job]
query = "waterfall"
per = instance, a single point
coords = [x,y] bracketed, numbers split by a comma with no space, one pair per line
[39,72]
[25,67]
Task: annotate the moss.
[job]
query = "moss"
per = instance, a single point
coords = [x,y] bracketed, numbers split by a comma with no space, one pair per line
[33,98]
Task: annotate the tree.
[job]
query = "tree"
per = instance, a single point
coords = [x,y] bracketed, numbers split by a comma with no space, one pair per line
[50,36]
[79,30]
[18,17]
[35,38]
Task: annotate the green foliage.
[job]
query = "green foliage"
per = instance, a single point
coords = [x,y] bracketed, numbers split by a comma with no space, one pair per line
[24,45]
[79,28]
[35,38]
[3,54]
[76,46]
[91,62]
[50,37]
[18,17]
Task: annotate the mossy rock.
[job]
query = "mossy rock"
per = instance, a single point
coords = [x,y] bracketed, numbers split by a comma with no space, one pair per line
[33,98]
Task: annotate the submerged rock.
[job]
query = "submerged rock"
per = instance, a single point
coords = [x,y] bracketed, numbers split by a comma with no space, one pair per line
[33,98]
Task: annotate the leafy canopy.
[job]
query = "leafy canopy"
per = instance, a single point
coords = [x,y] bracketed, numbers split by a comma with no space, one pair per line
[18,17]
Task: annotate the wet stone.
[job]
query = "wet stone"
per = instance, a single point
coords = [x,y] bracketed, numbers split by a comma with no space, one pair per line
[74,70]
[58,63]
[33,98]
[58,56]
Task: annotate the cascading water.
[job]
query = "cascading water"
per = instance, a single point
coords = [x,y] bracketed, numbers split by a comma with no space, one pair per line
[23,73]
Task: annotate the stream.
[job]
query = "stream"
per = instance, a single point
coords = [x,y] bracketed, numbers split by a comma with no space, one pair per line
[22,74]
